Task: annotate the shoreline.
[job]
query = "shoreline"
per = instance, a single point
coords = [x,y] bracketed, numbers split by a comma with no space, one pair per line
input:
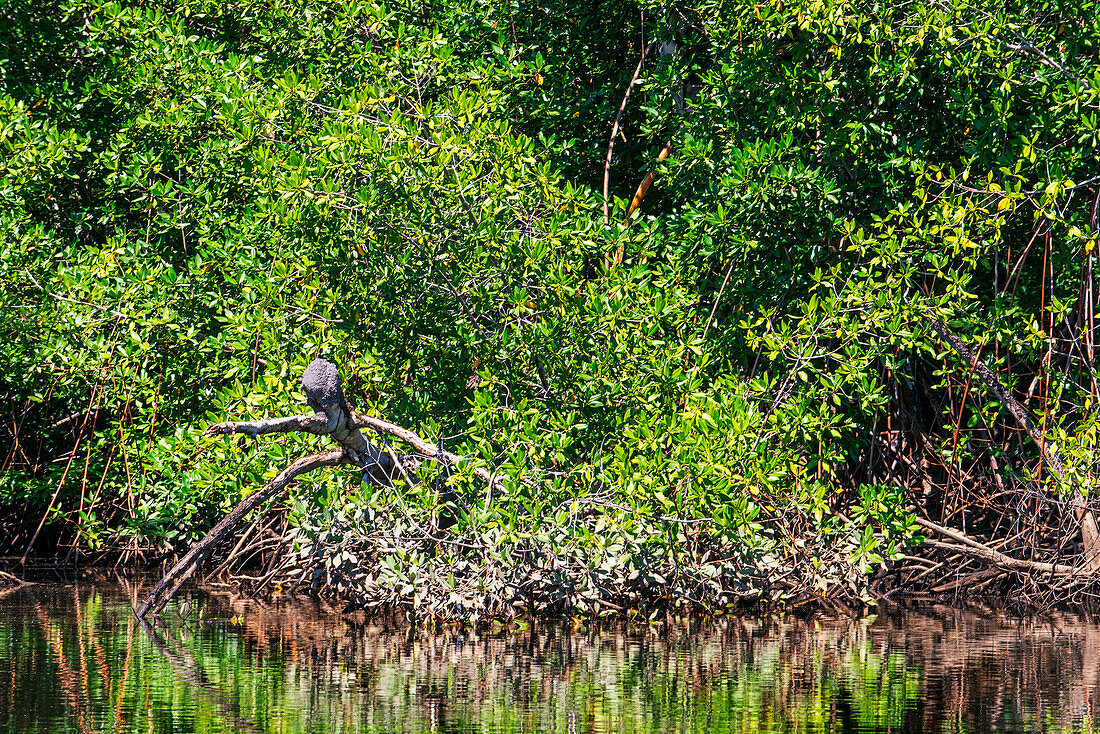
[42,572]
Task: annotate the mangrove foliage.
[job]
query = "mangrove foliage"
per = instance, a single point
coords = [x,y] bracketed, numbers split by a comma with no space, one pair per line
[714,302]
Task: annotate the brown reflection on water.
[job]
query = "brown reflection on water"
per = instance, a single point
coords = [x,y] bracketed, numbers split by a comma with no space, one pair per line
[72,658]
[982,668]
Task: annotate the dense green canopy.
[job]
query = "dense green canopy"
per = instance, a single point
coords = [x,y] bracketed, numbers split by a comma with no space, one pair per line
[198,198]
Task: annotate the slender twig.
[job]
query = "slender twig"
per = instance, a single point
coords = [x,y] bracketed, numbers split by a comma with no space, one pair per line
[1031,48]
[718,298]
[615,132]
[435,452]
[64,475]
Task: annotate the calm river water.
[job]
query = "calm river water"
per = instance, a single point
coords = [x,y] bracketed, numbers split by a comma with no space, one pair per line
[73,659]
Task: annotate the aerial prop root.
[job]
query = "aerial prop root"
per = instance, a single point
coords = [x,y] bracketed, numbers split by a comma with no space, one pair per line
[1086,519]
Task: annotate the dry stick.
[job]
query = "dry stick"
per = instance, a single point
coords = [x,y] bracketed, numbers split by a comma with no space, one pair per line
[966,580]
[258,548]
[615,132]
[643,188]
[276,540]
[182,571]
[970,581]
[718,298]
[1091,334]
[1014,274]
[646,182]
[918,575]
[83,486]
[266,578]
[49,507]
[1029,47]
[7,578]
[1090,534]
[337,423]
[102,479]
[14,448]
[1007,562]
[233,553]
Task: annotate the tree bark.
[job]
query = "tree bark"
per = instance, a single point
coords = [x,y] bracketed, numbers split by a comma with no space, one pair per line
[333,418]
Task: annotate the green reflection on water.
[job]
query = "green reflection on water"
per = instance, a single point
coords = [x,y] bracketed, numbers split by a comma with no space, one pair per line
[73,659]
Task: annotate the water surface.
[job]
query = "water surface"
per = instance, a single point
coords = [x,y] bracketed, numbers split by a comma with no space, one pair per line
[73,659]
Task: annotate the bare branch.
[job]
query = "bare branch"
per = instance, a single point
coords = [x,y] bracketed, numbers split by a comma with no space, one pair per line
[973,548]
[392,429]
[183,570]
[317,424]
[615,132]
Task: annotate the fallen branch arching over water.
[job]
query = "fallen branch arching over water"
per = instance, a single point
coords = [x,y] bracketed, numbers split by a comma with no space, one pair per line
[187,566]
[333,418]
